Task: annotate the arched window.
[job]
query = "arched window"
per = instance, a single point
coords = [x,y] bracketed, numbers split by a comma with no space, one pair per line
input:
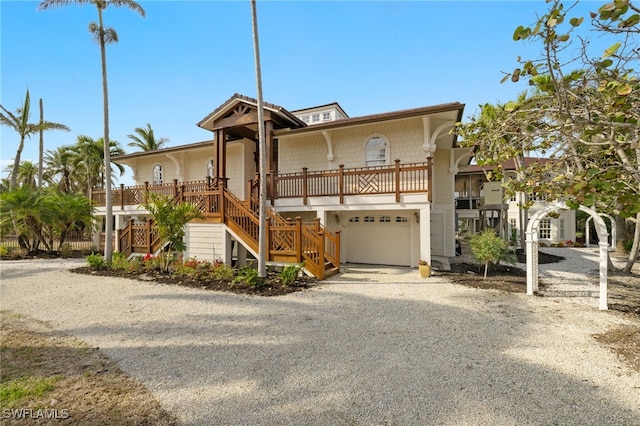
[376,152]
[157,174]
[210,169]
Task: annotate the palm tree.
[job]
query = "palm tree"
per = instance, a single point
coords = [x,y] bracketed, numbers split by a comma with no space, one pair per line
[26,176]
[145,139]
[103,36]
[69,211]
[60,169]
[87,154]
[28,209]
[20,123]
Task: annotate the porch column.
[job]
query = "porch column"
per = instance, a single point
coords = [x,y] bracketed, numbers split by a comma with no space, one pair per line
[216,159]
[425,235]
[268,131]
[221,154]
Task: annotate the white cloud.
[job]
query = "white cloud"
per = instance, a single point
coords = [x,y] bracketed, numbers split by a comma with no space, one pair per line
[4,164]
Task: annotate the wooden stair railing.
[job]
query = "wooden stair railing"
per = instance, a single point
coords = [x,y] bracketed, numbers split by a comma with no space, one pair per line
[315,239]
[140,238]
[287,241]
[293,241]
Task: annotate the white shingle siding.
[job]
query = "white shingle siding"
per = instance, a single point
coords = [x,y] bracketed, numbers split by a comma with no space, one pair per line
[405,139]
[205,241]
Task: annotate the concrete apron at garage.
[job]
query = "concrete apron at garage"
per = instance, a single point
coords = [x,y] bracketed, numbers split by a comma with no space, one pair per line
[360,272]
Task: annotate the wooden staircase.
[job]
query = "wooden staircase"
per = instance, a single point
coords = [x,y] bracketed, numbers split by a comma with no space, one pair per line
[287,241]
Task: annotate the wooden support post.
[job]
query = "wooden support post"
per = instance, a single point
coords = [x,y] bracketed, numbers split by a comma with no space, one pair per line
[397,181]
[337,253]
[267,237]
[122,196]
[304,185]
[146,192]
[130,235]
[321,255]
[148,236]
[221,187]
[341,182]
[298,239]
[271,185]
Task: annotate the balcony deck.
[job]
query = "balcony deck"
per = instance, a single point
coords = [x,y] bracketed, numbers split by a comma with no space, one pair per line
[397,179]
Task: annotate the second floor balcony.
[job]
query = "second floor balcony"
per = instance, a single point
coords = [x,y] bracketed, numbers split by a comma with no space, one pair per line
[395,180]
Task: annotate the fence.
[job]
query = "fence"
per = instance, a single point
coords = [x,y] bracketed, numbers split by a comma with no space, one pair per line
[74,241]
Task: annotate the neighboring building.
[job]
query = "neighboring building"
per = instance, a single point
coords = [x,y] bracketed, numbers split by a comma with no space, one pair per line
[381,187]
[481,204]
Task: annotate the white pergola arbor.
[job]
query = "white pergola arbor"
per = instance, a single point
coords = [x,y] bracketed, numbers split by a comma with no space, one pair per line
[532,248]
[587,231]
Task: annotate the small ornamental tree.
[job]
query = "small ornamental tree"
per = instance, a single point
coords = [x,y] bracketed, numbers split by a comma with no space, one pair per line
[487,248]
[170,219]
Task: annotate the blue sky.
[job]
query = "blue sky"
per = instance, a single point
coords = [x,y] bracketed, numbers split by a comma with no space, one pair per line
[185,58]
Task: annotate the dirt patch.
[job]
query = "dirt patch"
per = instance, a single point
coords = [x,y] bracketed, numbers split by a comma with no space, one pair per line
[82,385]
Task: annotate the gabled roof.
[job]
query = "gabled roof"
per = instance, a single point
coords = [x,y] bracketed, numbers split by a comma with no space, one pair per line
[237,98]
[366,119]
[320,107]
[162,151]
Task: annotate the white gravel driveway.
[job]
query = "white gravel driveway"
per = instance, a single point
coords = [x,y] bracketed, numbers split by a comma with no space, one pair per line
[382,348]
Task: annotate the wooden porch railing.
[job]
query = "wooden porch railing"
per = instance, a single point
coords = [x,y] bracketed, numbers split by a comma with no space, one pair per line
[136,195]
[396,179]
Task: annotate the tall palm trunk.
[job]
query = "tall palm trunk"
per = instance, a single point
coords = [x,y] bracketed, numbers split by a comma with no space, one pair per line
[262,240]
[41,147]
[108,232]
[13,182]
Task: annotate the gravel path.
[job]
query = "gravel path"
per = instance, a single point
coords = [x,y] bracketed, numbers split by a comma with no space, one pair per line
[367,348]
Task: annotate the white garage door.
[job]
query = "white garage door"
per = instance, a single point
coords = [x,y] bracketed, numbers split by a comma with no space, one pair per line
[381,239]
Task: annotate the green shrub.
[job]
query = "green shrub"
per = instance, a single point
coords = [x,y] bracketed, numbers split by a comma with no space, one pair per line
[222,272]
[152,263]
[66,250]
[487,247]
[187,268]
[96,261]
[627,245]
[119,262]
[4,251]
[204,270]
[513,240]
[290,273]
[135,264]
[248,276]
